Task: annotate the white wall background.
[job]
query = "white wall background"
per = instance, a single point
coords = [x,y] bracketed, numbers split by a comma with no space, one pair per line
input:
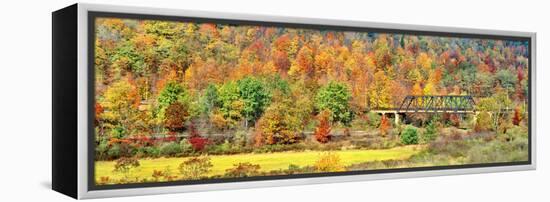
[25,99]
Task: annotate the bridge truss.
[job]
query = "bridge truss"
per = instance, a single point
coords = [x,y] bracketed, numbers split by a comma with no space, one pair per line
[437,104]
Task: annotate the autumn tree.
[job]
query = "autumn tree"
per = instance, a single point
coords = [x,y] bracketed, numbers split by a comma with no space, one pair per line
[517,118]
[279,124]
[382,53]
[379,92]
[172,92]
[322,132]
[303,65]
[496,105]
[385,125]
[120,103]
[176,115]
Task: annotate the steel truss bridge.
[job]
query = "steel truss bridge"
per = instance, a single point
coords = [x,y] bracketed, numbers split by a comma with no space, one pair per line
[452,104]
[456,104]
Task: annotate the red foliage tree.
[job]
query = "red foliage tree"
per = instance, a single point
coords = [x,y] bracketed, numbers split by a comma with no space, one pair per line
[516,120]
[322,132]
[98,111]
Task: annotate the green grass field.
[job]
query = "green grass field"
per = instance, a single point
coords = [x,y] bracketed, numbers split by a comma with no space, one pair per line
[267,161]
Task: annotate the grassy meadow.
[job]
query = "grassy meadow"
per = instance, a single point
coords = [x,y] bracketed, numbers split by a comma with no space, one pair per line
[267,161]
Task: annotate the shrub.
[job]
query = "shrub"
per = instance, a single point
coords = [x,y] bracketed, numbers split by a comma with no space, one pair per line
[118,132]
[156,175]
[373,119]
[454,120]
[170,149]
[243,170]
[431,132]
[322,132]
[240,138]
[198,143]
[293,168]
[224,148]
[151,151]
[195,168]
[328,162]
[104,180]
[102,150]
[483,122]
[165,174]
[185,146]
[409,135]
[114,151]
[125,165]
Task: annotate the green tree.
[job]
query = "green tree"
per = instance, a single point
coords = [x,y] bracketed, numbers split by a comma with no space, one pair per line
[210,98]
[127,58]
[172,92]
[410,135]
[507,79]
[431,132]
[255,97]
[231,104]
[496,106]
[335,97]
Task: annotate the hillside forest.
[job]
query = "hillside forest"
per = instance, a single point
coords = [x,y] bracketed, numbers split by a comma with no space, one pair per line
[180,101]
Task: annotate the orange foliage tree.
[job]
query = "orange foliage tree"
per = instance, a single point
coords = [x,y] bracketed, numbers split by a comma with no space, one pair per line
[385,125]
[516,120]
[322,132]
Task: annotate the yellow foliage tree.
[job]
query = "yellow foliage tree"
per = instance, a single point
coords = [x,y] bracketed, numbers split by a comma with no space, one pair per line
[379,93]
[417,90]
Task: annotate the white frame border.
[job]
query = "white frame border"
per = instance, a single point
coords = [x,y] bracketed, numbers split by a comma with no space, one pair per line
[84,193]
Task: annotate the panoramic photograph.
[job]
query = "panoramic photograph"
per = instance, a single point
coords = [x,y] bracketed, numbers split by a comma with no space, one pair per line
[193,101]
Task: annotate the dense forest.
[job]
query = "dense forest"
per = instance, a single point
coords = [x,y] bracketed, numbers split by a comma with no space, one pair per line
[255,86]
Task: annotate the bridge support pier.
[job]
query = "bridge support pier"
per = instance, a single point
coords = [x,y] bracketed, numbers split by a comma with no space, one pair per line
[396,118]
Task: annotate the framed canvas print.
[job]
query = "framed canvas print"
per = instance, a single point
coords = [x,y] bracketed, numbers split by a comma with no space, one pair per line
[150,101]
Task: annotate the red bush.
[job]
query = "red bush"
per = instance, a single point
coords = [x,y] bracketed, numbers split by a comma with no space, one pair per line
[198,143]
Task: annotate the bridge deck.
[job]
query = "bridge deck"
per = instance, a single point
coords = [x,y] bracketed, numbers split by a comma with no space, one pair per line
[383,111]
